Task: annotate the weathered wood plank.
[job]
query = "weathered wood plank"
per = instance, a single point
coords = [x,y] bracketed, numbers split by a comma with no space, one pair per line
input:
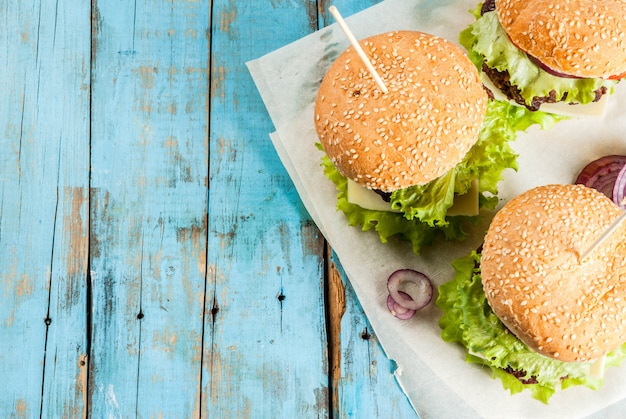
[148,206]
[265,345]
[44,160]
[264,335]
[365,384]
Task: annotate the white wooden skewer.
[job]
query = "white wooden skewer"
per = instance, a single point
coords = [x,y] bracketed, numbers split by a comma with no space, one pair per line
[357,47]
[604,236]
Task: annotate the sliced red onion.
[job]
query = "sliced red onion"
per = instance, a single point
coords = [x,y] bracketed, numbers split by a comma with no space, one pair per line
[397,310]
[619,190]
[556,73]
[549,70]
[408,289]
[601,174]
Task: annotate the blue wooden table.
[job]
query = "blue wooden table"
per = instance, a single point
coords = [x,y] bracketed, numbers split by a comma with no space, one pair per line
[155,259]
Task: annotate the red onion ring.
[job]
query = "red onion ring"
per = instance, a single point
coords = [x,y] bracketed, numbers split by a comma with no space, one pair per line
[619,190]
[549,70]
[556,73]
[602,174]
[409,290]
[397,310]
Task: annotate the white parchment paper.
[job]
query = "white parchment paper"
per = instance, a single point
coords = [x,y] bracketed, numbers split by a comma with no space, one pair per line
[433,373]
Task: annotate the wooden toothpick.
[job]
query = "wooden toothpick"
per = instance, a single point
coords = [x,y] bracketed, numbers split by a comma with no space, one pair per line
[605,235]
[357,47]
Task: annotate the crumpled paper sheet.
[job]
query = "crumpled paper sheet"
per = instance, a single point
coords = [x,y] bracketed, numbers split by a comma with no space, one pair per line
[433,373]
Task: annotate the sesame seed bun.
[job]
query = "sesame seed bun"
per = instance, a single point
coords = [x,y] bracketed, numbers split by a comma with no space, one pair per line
[559,306]
[415,133]
[583,38]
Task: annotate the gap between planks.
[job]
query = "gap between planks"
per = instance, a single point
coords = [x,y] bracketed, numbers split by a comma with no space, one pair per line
[336,303]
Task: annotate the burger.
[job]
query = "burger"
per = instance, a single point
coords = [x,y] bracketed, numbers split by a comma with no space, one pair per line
[529,306]
[420,160]
[547,51]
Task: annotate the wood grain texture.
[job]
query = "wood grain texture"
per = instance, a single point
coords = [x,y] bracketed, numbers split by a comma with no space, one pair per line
[148,206]
[366,386]
[44,149]
[155,258]
[336,308]
[265,345]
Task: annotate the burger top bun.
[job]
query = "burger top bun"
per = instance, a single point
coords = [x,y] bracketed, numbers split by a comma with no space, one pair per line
[560,306]
[583,38]
[416,132]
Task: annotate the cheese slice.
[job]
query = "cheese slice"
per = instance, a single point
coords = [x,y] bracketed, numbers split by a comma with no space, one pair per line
[596,370]
[466,204]
[593,109]
[367,198]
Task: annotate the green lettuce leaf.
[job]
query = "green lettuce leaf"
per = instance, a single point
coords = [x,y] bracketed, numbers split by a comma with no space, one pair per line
[467,319]
[423,216]
[486,41]
[391,224]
